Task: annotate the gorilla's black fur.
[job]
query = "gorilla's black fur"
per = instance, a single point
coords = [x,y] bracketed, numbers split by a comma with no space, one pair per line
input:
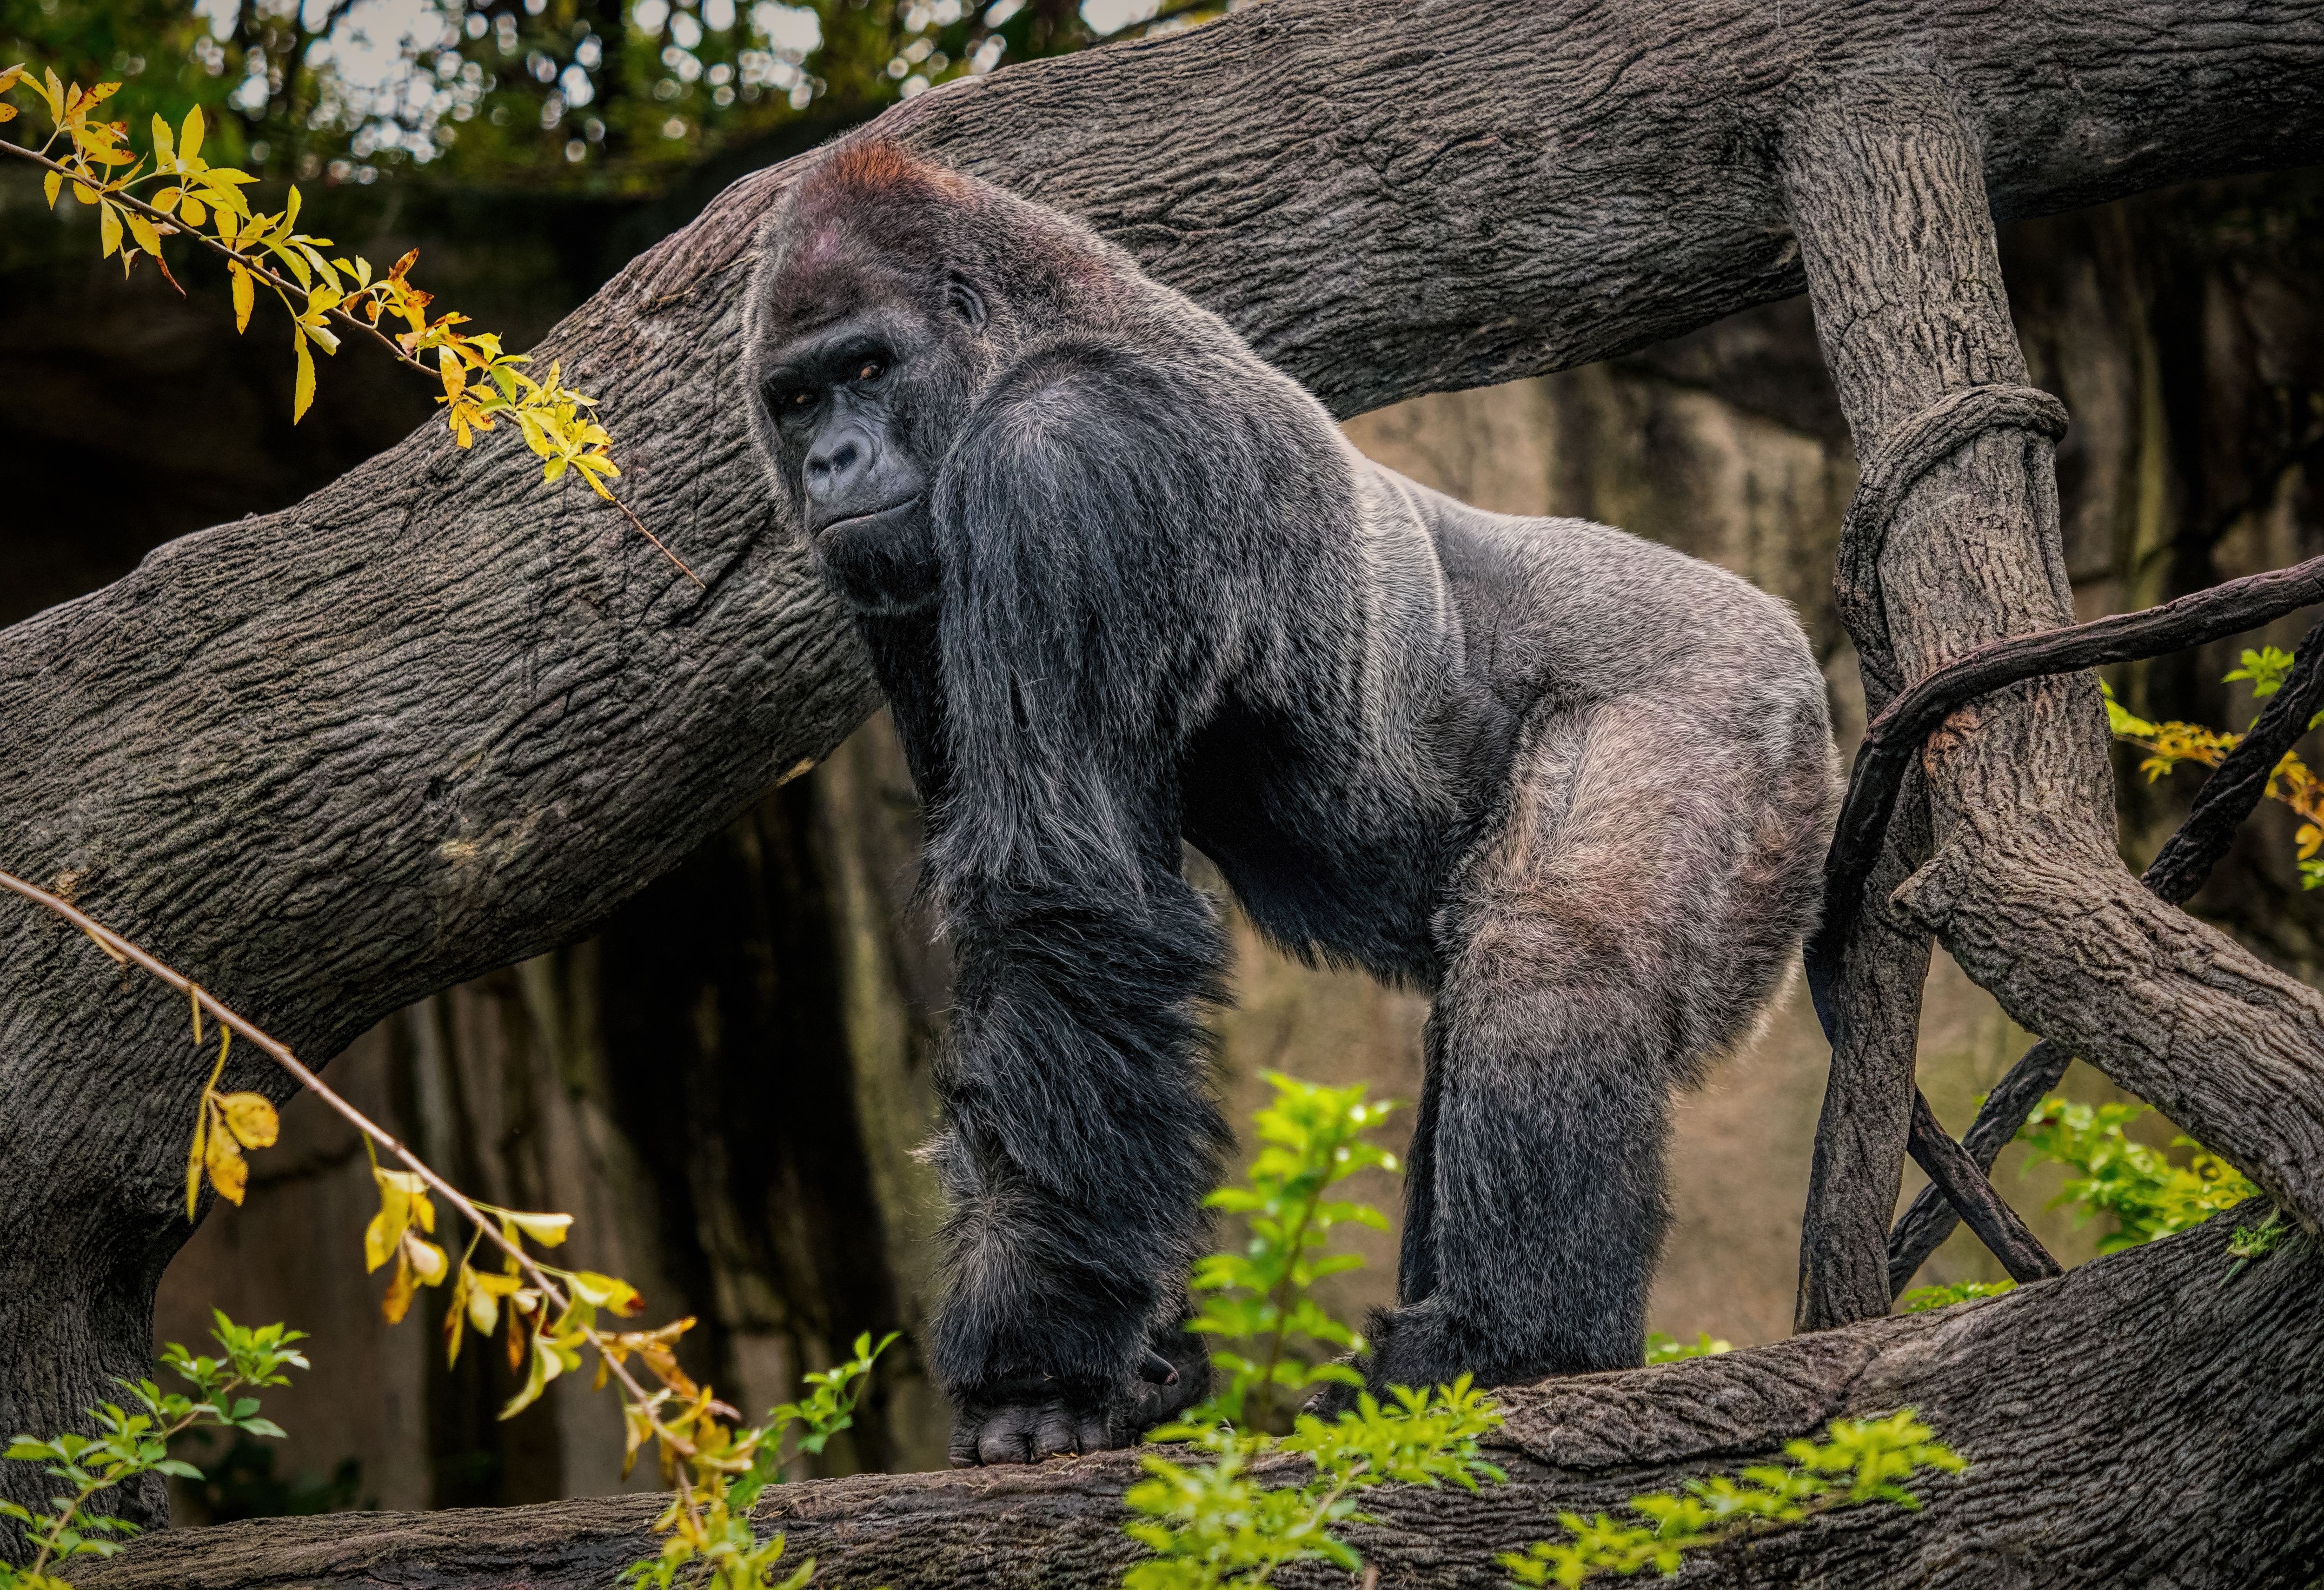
[1126,585]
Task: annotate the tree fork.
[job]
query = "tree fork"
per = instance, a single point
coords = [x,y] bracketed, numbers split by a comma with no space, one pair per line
[2021,884]
[2178,870]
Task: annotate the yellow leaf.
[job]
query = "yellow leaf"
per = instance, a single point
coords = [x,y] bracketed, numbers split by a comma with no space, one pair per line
[428,1261]
[548,1231]
[456,1317]
[190,210]
[143,231]
[251,1117]
[637,1429]
[108,230]
[606,1292]
[244,292]
[49,185]
[2309,837]
[378,1241]
[189,137]
[483,1308]
[194,1158]
[161,144]
[229,1171]
[535,1382]
[304,393]
[399,1289]
[8,112]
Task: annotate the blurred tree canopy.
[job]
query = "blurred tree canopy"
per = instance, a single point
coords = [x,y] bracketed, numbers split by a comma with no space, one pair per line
[604,94]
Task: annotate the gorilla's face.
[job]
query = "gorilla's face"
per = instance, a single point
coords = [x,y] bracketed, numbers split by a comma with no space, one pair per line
[863,404]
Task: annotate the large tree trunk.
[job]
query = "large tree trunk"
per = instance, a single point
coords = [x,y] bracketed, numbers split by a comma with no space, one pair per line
[437,718]
[2092,1463]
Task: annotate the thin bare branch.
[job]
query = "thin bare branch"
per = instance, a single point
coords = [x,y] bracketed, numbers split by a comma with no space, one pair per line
[123,950]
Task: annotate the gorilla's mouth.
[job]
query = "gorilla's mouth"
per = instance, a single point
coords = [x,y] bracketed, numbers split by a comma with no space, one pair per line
[870,514]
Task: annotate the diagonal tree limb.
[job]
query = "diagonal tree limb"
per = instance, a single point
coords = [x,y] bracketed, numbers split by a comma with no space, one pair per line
[1963,1181]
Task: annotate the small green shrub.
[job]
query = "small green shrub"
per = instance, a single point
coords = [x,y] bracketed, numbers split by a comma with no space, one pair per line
[1211,1523]
[1669,1349]
[1859,1460]
[707,1527]
[135,1441]
[2138,1187]
[1922,1299]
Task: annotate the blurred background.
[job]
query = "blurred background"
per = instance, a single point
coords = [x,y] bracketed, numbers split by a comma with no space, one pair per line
[724,1081]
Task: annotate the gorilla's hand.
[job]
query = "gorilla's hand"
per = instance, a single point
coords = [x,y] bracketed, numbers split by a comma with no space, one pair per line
[1031,1418]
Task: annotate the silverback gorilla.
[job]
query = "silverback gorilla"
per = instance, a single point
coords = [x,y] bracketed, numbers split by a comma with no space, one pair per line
[1127,586]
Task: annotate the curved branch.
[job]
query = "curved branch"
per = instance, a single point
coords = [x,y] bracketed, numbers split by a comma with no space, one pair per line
[1896,735]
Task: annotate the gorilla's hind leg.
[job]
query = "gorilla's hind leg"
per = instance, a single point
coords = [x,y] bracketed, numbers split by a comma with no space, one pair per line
[1532,1244]
[1626,921]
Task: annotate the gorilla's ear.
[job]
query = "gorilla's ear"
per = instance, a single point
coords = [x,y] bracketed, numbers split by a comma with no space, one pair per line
[965,300]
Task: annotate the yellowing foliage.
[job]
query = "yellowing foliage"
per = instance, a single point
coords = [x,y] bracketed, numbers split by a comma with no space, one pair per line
[482,384]
[2171,743]
[716,1467]
[225,1123]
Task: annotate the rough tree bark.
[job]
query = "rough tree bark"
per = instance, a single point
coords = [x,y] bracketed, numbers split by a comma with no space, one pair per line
[434,718]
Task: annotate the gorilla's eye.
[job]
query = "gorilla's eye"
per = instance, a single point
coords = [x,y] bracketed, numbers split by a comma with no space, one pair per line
[799,399]
[871,371]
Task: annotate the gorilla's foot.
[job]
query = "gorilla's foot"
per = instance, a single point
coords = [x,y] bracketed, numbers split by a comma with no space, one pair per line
[1426,1344]
[1031,1419]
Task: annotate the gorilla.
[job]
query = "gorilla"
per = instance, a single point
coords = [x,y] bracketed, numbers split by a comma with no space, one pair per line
[1128,590]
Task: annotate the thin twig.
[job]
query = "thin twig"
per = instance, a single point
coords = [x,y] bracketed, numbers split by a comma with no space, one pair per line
[123,950]
[650,536]
[285,286]
[257,266]
[1962,1180]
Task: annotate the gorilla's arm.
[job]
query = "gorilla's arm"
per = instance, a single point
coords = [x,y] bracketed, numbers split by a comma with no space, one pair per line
[1081,1134]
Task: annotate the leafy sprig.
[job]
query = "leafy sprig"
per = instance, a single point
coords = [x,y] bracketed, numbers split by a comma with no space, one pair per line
[2171,743]
[706,1526]
[132,1439]
[1668,1349]
[552,1314]
[1859,1460]
[1213,1523]
[2147,1195]
[1922,1299]
[482,382]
